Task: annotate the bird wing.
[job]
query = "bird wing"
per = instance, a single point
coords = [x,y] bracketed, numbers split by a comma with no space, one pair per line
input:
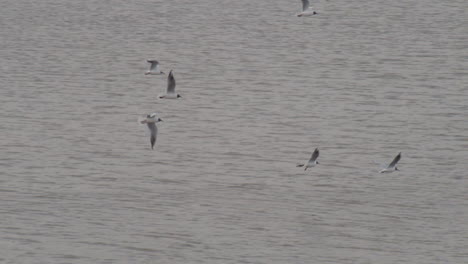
[153,129]
[154,65]
[315,155]
[305,5]
[395,160]
[170,83]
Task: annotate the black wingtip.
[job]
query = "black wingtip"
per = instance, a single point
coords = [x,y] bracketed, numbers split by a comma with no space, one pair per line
[153,141]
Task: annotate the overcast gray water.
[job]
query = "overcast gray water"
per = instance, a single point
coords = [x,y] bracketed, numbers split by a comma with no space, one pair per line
[261,89]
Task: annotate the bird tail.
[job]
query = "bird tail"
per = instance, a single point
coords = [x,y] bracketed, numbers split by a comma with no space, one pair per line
[152,140]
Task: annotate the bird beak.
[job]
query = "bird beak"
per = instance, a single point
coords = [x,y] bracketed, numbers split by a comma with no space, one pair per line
[160,120]
[143,122]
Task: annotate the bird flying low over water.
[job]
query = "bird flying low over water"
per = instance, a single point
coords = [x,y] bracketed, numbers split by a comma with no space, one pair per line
[392,166]
[151,121]
[170,94]
[312,161]
[154,68]
[306,11]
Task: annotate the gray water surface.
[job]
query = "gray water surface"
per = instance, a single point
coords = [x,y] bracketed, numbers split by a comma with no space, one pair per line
[261,88]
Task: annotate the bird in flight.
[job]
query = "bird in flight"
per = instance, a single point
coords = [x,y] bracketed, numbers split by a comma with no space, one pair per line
[154,68]
[312,161]
[170,93]
[151,121]
[306,10]
[392,166]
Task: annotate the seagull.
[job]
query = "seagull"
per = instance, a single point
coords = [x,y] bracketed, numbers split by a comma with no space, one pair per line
[305,9]
[312,161]
[151,121]
[170,94]
[154,68]
[392,167]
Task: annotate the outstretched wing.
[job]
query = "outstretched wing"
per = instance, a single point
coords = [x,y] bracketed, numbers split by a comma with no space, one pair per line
[154,65]
[154,132]
[395,160]
[170,83]
[315,155]
[153,129]
[305,5]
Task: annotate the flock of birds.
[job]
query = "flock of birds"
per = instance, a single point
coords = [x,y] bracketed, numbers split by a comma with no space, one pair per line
[152,119]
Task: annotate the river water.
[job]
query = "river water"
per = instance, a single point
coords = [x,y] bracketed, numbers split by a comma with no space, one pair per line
[261,89]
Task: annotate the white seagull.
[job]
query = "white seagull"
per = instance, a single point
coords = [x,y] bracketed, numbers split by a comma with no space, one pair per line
[312,161]
[392,166]
[305,9]
[170,94]
[151,121]
[154,68]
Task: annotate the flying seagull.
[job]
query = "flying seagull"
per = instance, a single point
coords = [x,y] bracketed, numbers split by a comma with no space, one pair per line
[392,167]
[305,9]
[151,121]
[154,68]
[312,161]
[170,94]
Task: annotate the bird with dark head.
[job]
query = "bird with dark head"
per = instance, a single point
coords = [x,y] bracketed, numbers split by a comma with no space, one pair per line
[312,161]
[151,121]
[171,84]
